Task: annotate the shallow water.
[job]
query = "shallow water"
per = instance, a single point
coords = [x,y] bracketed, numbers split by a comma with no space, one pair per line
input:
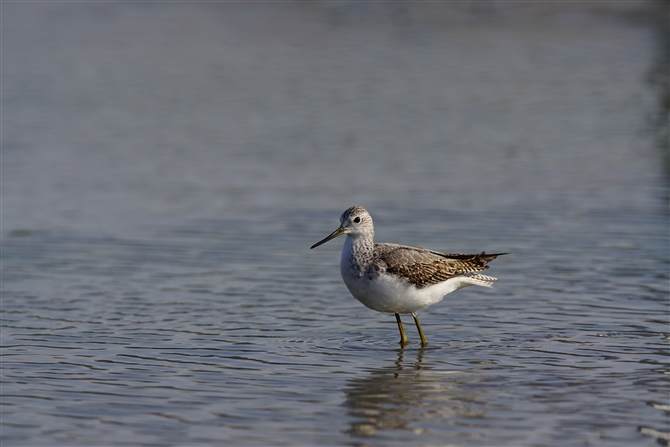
[163,180]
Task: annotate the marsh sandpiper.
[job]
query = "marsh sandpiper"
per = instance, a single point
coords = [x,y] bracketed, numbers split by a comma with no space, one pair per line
[400,279]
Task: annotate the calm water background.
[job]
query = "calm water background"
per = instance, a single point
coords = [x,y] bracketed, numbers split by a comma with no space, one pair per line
[166,166]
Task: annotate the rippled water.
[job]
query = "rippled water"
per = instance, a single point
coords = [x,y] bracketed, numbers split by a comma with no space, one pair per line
[160,197]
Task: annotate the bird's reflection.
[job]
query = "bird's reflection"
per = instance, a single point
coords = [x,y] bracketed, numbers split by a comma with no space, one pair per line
[410,397]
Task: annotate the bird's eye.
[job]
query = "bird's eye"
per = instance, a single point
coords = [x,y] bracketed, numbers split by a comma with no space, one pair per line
[357,220]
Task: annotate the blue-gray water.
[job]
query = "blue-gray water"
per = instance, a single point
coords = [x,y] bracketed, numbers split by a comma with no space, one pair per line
[166,167]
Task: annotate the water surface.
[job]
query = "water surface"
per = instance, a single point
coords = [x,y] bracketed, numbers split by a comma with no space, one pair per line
[166,168]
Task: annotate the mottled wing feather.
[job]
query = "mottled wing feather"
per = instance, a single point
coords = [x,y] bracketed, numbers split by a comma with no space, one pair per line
[424,268]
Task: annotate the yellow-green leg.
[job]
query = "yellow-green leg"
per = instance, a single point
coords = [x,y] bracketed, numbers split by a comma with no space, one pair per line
[418,326]
[403,337]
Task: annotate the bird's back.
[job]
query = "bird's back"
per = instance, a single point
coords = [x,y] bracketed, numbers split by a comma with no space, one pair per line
[424,268]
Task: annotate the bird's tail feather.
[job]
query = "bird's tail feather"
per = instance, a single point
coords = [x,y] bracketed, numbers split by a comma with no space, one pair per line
[477,279]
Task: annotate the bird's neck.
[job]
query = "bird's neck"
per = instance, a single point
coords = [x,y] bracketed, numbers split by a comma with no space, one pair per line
[358,252]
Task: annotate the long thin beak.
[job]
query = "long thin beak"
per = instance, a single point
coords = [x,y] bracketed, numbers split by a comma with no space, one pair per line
[332,235]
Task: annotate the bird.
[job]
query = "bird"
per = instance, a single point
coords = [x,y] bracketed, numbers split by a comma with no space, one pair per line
[400,279]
